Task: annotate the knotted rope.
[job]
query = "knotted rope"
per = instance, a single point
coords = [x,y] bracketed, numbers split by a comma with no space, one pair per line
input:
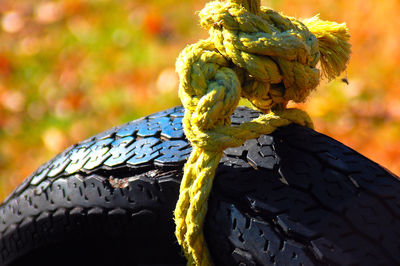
[252,52]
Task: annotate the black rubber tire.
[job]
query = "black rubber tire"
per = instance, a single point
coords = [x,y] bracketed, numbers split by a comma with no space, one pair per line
[296,197]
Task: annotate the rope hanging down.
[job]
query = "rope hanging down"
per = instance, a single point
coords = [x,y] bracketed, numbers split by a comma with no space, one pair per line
[256,53]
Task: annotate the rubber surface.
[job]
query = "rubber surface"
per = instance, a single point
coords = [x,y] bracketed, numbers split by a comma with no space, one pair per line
[296,197]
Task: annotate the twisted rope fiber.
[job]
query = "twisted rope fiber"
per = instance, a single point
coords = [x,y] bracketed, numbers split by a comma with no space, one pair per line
[258,54]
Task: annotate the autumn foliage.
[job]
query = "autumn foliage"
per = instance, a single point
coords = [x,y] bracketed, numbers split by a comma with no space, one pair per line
[73,68]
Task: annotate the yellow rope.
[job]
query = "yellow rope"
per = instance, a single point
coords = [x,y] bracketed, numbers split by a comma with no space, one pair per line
[252,52]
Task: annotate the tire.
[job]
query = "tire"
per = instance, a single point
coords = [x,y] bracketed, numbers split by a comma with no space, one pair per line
[295,197]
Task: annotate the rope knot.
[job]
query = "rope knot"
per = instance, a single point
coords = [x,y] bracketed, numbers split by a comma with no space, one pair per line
[277,55]
[256,53]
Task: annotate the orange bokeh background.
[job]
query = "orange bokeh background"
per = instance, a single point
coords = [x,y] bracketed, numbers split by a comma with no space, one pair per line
[73,68]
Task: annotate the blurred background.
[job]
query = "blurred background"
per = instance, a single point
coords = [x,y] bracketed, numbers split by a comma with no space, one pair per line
[73,68]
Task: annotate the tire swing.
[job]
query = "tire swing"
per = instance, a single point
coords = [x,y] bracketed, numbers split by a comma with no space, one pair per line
[259,187]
